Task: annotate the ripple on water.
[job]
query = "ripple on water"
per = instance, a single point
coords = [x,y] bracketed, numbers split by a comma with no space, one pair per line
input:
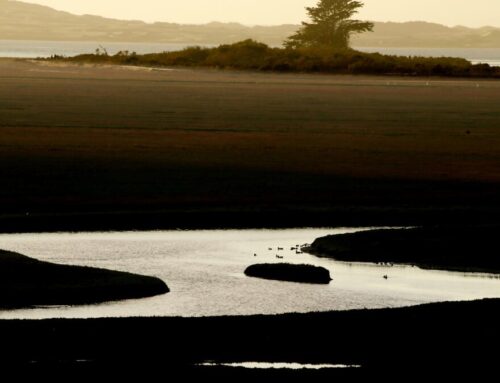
[204,270]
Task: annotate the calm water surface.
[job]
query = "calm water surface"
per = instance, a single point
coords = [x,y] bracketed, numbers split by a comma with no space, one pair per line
[204,270]
[286,366]
[40,48]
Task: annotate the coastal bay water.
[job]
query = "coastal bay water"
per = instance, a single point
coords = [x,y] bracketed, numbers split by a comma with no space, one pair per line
[43,49]
[204,270]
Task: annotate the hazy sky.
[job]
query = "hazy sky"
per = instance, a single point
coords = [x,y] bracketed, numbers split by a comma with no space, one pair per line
[449,12]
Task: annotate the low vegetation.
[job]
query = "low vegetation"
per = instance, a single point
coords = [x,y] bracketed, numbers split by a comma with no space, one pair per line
[28,282]
[97,148]
[386,340]
[290,272]
[252,55]
[450,248]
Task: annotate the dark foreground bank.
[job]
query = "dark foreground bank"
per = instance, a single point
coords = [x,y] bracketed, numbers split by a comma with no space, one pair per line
[27,282]
[447,336]
[458,248]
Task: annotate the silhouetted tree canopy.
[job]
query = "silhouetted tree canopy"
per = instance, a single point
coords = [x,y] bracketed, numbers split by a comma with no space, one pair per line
[332,25]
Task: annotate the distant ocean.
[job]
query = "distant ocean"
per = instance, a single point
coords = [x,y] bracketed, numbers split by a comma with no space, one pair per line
[34,49]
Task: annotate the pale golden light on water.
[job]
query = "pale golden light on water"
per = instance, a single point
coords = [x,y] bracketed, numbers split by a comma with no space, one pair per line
[204,271]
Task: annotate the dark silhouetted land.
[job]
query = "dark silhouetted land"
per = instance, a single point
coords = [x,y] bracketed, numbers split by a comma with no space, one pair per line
[460,248]
[27,282]
[88,147]
[289,272]
[435,338]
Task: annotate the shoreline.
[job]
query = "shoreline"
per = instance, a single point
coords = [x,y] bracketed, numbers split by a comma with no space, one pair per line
[27,282]
[243,219]
[455,248]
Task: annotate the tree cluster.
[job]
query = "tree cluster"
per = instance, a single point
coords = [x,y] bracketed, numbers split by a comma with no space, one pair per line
[332,25]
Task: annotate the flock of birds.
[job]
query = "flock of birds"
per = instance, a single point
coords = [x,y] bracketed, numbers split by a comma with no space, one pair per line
[298,250]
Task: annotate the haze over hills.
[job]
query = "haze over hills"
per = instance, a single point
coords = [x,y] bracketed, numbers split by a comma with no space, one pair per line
[23,21]
[428,35]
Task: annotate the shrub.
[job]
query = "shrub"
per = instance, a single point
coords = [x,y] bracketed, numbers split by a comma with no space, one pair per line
[250,54]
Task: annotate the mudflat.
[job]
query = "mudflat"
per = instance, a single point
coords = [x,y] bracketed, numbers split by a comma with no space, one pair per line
[96,147]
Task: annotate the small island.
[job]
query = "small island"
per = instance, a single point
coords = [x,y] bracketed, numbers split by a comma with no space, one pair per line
[27,282]
[320,46]
[453,248]
[290,273]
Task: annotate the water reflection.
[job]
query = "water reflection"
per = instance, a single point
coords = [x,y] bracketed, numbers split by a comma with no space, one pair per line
[287,366]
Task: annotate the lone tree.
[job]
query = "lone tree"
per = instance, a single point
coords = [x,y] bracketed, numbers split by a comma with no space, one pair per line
[332,25]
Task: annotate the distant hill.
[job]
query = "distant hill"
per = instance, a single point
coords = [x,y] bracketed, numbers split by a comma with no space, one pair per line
[427,35]
[23,21]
